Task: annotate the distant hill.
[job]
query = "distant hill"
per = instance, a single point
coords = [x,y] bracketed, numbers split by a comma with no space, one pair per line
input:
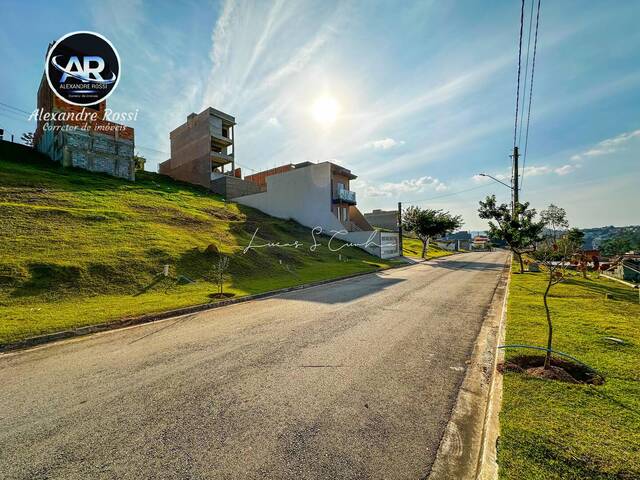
[596,238]
[79,248]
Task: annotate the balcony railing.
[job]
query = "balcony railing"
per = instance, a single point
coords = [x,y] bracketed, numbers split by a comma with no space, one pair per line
[346,196]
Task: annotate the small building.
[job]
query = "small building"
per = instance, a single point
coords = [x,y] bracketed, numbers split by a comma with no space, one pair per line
[203,153]
[387,219]
[480,242]
[79,141]
[318,195]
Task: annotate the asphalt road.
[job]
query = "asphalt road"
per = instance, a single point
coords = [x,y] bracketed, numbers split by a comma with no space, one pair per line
[354,379]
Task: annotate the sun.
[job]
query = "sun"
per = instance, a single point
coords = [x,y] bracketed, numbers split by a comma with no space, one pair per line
[325,110]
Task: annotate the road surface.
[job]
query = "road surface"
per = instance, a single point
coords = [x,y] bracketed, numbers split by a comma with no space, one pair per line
[354,379]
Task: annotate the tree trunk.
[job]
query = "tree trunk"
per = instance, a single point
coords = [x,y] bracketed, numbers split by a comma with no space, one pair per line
[547,358]
[425,246]
[519,255]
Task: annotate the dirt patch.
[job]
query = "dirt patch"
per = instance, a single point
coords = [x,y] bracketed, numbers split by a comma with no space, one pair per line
[561,370]
[222,214]
[218,296]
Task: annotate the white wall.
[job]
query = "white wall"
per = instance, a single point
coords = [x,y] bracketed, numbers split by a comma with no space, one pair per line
[301,194]
[304,195]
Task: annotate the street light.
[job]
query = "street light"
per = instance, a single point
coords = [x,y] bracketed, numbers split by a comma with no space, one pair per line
[495,179]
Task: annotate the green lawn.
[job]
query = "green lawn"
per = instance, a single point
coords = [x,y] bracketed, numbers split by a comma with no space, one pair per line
[553,430]
[78,248]
[412,247]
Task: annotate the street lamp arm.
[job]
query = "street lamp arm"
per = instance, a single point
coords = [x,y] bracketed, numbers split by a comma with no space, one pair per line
[495,179]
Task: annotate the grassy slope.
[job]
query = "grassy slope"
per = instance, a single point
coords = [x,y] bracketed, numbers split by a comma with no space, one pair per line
[412,247]
[78,248]
[552,430]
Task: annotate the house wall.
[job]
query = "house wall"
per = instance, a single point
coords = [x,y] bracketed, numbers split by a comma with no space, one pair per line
[358,219]
[304,195]
[301,194]
[196,172]
[191,142]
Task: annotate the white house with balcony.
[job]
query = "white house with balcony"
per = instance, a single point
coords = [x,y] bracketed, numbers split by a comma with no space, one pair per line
[318,195]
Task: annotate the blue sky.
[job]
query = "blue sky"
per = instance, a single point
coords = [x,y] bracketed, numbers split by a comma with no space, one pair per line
[426,91]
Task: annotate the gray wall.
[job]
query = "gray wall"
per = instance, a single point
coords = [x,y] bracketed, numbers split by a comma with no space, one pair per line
[91,151]
[232,187]
[387,219]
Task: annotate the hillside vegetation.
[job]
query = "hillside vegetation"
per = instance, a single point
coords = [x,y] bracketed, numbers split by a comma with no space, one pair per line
[79,248]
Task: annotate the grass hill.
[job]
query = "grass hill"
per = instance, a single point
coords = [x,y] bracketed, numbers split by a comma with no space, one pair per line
[79,248]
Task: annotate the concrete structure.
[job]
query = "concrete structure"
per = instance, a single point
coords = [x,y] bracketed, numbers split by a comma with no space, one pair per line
[96,145]
[318,195]
[202,149]
[387,219]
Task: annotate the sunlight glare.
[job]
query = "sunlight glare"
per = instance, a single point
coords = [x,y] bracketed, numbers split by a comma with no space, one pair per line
[325,110]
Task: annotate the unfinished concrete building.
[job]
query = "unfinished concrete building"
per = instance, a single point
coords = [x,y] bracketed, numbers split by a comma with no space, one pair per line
[202,153]
[95,145]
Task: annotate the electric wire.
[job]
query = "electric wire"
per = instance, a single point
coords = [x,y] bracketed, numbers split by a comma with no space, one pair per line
[533,67]
[515,128]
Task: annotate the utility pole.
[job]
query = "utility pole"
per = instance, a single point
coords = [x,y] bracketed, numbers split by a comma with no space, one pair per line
[400,227]
[514,181]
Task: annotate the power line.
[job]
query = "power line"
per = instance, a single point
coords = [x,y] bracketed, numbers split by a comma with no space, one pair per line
[526,71]
[515,129]
[14,108]
[448,194]
[533,67]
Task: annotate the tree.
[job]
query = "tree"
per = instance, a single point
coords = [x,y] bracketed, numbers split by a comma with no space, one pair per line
[218,273]
[429,223]
[139,162]
[556,218]
[27,139]
[576,236]
[520,231]
[555,258]
[621,243]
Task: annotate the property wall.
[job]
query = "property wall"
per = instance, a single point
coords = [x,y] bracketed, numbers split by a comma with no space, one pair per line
[196,172]
[301,194]
[231,187]
[98,153]
[260,178]
[383,218]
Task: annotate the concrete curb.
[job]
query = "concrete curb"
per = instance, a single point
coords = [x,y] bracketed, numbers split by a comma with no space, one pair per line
[468,446]
[628,284]
[130,321]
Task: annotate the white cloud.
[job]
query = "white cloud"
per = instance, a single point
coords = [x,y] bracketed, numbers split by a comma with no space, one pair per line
[531,171]
[568,168]
[610,145]
[384,144]
[398,189]
[273,122]
[536,170]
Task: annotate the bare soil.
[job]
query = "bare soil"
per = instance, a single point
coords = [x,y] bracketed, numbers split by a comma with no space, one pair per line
[561,370]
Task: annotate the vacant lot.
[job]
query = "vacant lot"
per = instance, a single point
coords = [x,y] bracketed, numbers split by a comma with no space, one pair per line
[78,248]
[553,430]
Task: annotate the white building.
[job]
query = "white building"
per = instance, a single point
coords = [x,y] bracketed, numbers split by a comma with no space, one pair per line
[318,195]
